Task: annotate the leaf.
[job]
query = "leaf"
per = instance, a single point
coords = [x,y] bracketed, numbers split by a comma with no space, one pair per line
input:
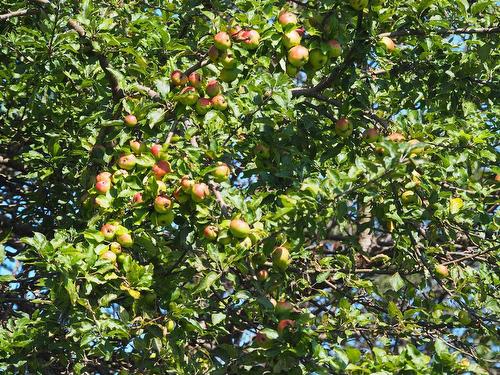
[456,205]
[207,282]
[217,318]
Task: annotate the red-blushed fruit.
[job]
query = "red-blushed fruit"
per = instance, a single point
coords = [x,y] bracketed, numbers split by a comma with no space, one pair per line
[371,135]
[199,192]
[136,147]
[228,60]
[359,4]
[103,176]
[219,102]
[203,105]
[343,127]
[262,151]
[281,258]
[137,198]
[285,324]
[210,232]
[181,196]
[103,187]
[298,56]
[262,275]
[130,120]
[291,39]
[287,18]
[283,308]
[161,168]
[387,43]
[195,80]
[317,59]
[222,40]
[234,31]
[115,247]
[108,231]
[189,96]
[334,48]
[162,204]
[262,340]
[396,137]
[127,162]
[239,228]
[178,78]
[213,88]
[108,255]
[213,54]
[300,31]
[228,75]
[156,150]
[250,39]
[125,239]
[221,172]
[441,270]
[186,184]
[497,178]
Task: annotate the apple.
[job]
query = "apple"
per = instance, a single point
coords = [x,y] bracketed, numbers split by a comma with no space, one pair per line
[287,18]
[108,255]
[103,176]
[108,231]
[137,198]
[396,137]
[221,172]
[283,308]
[222,40]
[189,96]
[298,56]
[161,187]
[210,232]
[156,150]
[334,48]
[161,168]
[170,325]
[343,127]
[233,31]
[387,43]
[262,340]
[186,184]
[285,324]
[203,105]
[250,39]
[497,178]
[162,204]
[464,317]
[291,70]
[115,247]
[219,102]
[300,31]
[213,88]
[165,219]
[228,60]
[239,228]
[291,39]
[371,135]
[262,275]
[178,78]
[441,270]
[199,192]
[228,75]
[409,197]
[281,258]
[130,120]
[181,196]
[195,80]
[136,147]
[103,187]
[125,239]
[317,59]
[261,150]
[213,54]
[359,4]
[120,173]
[127,162]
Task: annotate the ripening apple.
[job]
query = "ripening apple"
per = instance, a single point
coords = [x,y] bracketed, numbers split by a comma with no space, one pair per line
[497,178]
[178,78]
[291,70]
[213,54]
[186,184]
[222,40]
[125,239]
[108,255]
[298,56]
[228,75]
[283,308]
[199,192]
[334,48]
[213,88]
[127,162]
[228,60]
[285,324]
[262,340]
[281,258]
[181,196]
[108,231]
[156,150]
[210,232]
[130,120]
[396,137]
[343,127]
[317,59]
[250,39]
[165,219]
[161,168]
[115,247]
[103,187]
[371,135]
[162,204]
[300,30]
[287,18]
[234,31]
[103,176]
[239,228]
[203,105]
[136,147]
[161,187]
[359,4]
[189,96]
[137,198]
[195,80]
[291,39]
[219,102]
[221,172]
[387,43]
[441,270]
[262,275]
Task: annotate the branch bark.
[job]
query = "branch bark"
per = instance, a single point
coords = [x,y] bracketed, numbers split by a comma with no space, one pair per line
[16,13]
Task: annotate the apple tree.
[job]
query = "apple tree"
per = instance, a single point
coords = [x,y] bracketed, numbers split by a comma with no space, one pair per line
[249,187]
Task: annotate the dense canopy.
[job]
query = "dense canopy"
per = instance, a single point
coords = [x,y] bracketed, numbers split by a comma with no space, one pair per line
[249,187]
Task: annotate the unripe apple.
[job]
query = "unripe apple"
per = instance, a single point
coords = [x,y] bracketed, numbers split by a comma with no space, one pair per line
[250,39]
[156,150]
[228,60]
[115,247]
[298,56]
[181,196]
[162,204]
[178,78]
[189,96]
[213,54]
[387,43]
[165,219]
[127,162]
[464,317]
[219,102]
[199,192]
[283,308]
[161,168]
[262,151]
[291,39]
[371,135]
[103,187]
[108,255]
[203,105]
[285,324]
[195,80]
[125,239]
[103,176]
[359,4]
[221,172]
[170,325]
[343,127]
[130,120]
[317,59]
[210,232]
[239,228]
[262,340]
[334,48]
[281,258]
[291,70]
[228,75]
[396,137]
[222,40]
[108,231]
[186,184]
[213,88]
[120,173]
[409,197]
[262,275]
[287,18]
[136,147]
[441,270]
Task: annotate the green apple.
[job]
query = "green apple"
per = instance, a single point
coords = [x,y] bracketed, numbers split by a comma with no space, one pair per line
[281,258]
[239,228]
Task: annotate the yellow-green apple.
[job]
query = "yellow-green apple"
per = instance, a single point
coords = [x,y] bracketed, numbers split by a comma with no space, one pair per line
[343,127]
[199,192]
[156,150]
[287,18]
[219,102]
[334,48]
[213,88]
[108,231]
[161,168]
[250,39]
[162,204]
[464,317]
[409,197]
[125,239]
[108,255]
[281,258]
[228,60]
[165,219]
[103,186]
[239,228]
[298,56]
[161,187]
[387,43]
[221,172]
[115,247]
[130,120]
[195,80]
[178,78]
[228,75]
[291,70]
[170,325]
[203,105]
[210,232]
[222,40]
[285,324]
[291,39]
[103,176]
[317,59]
[127,162]
[181,196]
[136,147]
[189,96]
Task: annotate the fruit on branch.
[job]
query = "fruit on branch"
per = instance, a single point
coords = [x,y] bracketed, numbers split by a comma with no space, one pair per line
[464,317]
[228,60]
[213,54]
[334,48]
[262,275]
[170,325]
[285,324]
[317,59]
[300,30]
[291,70]
[441,270]
[283,308]
[396,137]
[359,4]
[164,219]
[199,192]
[234,31]
[108,231]
[228,75]
[161,187]
[371,135]
[203,105]
[287,18]
[239,228]
[125,239]
[181,196]
[115,247]
[262,340]
[387,43]
[162,204]
[103,187]
[136,147]
[210,232]
[219,102]
[186,184]
[298,56]
[222,40]
[281,258]
[137,198]
[161,168]
[262,151]
[409,197]
[291,39]
[250,39]
[178,78]
[127,162]
[213,88]
[221,172]
[195,80]
[103,176]
[156,150]
[189,96]
[343,127]
[108,255]
[130,120]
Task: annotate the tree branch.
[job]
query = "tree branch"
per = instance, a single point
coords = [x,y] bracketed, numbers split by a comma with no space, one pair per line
[16,13]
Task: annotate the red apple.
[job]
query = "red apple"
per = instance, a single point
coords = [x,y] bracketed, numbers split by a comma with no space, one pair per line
[189,96]
[262,275]
[213,88]
[343,127]
[213,54]
[222,40]
[203,105]
[195,80]
[130,120]
[156,150]
[239,228]
[298,56]
[137,198]
[334,48]
[127,162]
[186,184]
[250,39]
[108,231]
[199,192]
[287,18]
[219,102]
[103,176]
[300,31]
[262,340]
[210,232]
[283,308]
[285,324]
[291,39]
[103,187]
[178,78]
[162,204]
[161,168]
[234,32]
[371,135]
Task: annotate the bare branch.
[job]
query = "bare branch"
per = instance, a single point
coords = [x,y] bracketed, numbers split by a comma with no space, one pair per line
[16,13]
